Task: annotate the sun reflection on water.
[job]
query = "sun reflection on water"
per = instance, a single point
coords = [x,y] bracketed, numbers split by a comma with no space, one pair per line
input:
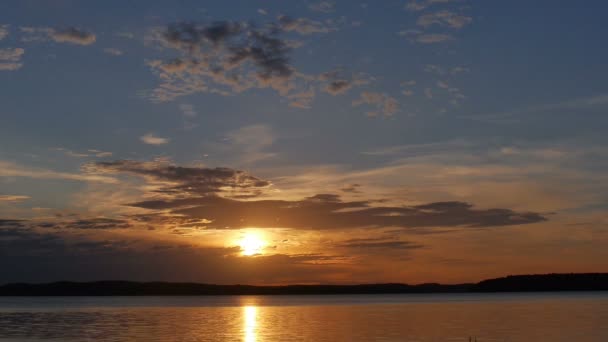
[250,318]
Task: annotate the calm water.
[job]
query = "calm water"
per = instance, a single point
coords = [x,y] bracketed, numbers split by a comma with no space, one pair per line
[506,317]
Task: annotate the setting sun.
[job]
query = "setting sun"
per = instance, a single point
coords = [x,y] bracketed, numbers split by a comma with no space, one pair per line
[252,244]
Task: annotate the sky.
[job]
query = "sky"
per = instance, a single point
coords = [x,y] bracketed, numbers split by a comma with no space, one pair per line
[282,142]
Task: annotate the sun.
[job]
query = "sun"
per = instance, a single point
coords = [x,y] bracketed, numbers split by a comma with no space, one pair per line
[251,244]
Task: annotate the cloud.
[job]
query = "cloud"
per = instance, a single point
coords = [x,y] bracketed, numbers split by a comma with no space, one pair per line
[379,243]
[62,223]
[185,181]
[100,154]
[416,150]
[444,18]
[251,142]
[222,57]
[10,58]
[428,92]
[125,35]
[417,36]
[189,114]
[96,223]
[87,154]
[73,35]
[583,103]
[338,81]
[323,6]
[10,169]
[303,25]
[423,4]
[230,57]
[7,224]
[13,198]
[352,188]
[113,51]
[386,105]
[459,69]
[221,198]
[3,31]
[187,110]
[326,211]
[152,139]
[70,35]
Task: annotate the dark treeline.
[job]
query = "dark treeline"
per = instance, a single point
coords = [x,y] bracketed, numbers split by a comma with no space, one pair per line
[519,283]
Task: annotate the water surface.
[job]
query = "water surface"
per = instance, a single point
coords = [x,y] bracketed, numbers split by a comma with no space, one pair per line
[442,317]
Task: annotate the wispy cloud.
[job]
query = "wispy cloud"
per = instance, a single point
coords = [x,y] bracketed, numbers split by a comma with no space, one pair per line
[10,169]
[339,81]
[304,26]
[444,18]
[3,31]
[385,104]
[10,58]
[592,102]
[419,5]
[323,6]
[152,139]
[13,198]
[188,115]
[113,51]
[70,35]
[417,36]
[251,143]
[88,153]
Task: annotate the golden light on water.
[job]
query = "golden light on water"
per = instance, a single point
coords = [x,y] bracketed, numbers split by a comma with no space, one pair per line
[250,319]
[252,244]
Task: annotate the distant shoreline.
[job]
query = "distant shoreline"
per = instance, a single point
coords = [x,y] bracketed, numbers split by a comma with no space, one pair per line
[516,283]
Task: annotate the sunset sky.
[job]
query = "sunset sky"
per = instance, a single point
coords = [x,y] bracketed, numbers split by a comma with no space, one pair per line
[275,142]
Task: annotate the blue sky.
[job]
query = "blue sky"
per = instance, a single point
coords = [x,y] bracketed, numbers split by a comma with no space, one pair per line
[496,108]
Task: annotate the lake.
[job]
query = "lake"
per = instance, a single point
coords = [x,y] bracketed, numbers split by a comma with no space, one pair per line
[409,317]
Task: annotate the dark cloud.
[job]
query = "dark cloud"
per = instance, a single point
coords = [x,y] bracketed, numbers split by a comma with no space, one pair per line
[222,57]
[338,81]
[239,43]
[352,188]
[181,180]
[7,223]
[228,57]
[214,198]
[330,212]
[63,223]
[190,36]
[73,35]
[374,244]
[97,223]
